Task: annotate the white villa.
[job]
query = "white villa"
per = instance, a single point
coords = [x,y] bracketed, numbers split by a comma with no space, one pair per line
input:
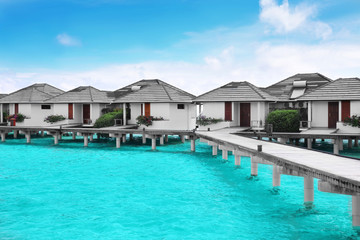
[81,105]
[333,102]
[160,100]
[30,101]
[289,91]
[237,104]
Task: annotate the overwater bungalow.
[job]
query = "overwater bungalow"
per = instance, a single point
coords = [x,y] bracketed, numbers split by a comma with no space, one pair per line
[166,106]
[289,90]
[82,105]
[235,104]
[30,102]
[331,103]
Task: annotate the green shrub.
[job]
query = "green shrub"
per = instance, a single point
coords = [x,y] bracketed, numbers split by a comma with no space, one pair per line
[54,118]
[353,121]
[284,120]
[107,120]
[18,117]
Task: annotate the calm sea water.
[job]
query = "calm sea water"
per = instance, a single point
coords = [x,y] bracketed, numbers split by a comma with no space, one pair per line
[100,192]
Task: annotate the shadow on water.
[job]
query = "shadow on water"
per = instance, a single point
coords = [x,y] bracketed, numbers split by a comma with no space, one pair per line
[275,191]
[308,209]
[253,178]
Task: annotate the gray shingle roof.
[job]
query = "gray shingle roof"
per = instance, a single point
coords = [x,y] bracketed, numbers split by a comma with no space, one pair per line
[83,94]
[340,89]
[36,93]
[236,92]
[283,89]
[2,95]
[153,90]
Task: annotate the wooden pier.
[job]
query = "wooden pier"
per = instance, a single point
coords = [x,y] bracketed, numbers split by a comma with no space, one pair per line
[336,174]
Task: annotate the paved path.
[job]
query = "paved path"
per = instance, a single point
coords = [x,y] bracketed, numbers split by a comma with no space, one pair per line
[341,171]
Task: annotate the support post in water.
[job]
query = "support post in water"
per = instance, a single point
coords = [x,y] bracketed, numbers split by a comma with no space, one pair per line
[341,144]
[15,133]
[356,210]
[336,146]
[193,144]
[309,143]
[124,138]
[166,138]
[254,167]
[162,140]
[3,136]
[224,154]
[276,176]
[308,189]
[237,160]
[86,140]
[56,138]
[28,137]
[74,135]
[118,141]
[153,142]
[214,150]
[182,137]
[91,137]
[144,138]
[349,143]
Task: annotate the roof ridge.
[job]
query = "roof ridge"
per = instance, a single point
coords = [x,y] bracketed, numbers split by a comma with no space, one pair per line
[91,97]
[256,89]
[212,90]
[166,91]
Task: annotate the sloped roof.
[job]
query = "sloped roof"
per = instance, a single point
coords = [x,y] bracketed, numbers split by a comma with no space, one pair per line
[283,90]
[83,94]
[2,95]
[36,93]
[236,92]
[340,89]
[153,90]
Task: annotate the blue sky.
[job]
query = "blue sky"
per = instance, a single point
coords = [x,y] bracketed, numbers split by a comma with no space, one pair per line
[196,45]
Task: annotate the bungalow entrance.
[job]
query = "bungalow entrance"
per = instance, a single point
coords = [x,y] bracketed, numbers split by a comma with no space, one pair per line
[333,114]
[86,114]
[245,114]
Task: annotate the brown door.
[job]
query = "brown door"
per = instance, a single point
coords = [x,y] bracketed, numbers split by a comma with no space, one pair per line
[228,111]
[16,108]
[147,109]
[333,114]
[71,111]
[345,110]
[86,113]
[142,110]
[244,114]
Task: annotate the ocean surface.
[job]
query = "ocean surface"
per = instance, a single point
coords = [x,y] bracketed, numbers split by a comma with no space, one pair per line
[100,192]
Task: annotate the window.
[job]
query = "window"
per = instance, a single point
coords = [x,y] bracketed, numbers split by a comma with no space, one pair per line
[45,106]
[181,106]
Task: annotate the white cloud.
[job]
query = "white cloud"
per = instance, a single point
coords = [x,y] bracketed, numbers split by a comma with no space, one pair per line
[285,19]
[66,40]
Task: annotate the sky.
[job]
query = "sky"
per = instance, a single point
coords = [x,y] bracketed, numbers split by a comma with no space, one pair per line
[196,45]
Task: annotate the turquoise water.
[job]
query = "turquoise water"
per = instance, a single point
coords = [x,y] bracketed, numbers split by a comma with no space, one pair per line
[100,192]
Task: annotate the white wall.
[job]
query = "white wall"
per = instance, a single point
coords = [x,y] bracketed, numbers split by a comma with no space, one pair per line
[354,108]
[135,112]
[214,109]
[319,114]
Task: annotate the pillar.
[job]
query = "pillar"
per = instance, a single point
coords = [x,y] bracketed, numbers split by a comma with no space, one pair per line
[86,140]
[1,113]
[42,133]
[341,144]
[237,160]
[259,138]
[28,137]
[124,138]
[214,150]
[166,138]
[118,141]
[309,114]
[3,136]
[192,144]
[349,143]
[309,143]
[124,114]
[276,176]
[308,189]
[254,167]
[336,146]
[153,142]
[356,210]
[91,137]
[15,133]
[224,154]
[356,142]
[131,136]
[74,135]
[162,140]
[56,139]
[182,138]
[144,138]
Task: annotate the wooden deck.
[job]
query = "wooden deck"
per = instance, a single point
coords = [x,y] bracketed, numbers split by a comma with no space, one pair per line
[340,171]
